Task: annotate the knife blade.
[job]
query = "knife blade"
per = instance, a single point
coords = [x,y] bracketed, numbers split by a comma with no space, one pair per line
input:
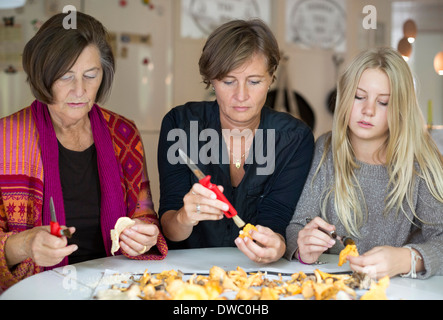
[55,227]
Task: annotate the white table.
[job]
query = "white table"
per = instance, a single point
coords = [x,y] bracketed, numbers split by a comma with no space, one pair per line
[79,281]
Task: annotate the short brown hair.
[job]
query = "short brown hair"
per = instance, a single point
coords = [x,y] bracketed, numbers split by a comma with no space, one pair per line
[234,43]
[54,50]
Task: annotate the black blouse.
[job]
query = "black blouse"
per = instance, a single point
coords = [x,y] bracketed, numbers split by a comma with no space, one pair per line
[81,194]
[267,197]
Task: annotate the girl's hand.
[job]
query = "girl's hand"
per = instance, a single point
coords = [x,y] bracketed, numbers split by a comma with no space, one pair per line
[384,261]
[312,242]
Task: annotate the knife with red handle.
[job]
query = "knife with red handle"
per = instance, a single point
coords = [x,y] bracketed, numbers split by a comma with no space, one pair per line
[205,181]
[55,227]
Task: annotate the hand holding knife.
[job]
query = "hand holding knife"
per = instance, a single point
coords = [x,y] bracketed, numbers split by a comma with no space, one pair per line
[343,239]
[55,227]
[205,181]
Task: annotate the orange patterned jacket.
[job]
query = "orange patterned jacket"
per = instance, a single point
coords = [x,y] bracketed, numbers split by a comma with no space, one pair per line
[22,184]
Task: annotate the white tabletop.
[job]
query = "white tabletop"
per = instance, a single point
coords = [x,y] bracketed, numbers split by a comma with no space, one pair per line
[80,281]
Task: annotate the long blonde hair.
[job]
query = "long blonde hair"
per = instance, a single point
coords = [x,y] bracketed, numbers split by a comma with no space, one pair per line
[408,146]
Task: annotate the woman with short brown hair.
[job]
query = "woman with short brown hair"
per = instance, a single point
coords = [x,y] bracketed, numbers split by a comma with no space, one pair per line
[65,148]
[233,44]
[259,158]
[51,53]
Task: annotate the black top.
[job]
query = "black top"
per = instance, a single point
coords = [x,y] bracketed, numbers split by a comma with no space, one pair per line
[266,196]
[81,194]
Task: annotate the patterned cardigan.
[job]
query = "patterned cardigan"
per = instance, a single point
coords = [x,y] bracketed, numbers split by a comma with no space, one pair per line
[22,184]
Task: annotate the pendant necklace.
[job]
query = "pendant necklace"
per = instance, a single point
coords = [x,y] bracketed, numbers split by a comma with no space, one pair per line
[238,161]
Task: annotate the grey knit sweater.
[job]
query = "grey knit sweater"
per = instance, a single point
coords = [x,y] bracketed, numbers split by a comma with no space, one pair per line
[392,230]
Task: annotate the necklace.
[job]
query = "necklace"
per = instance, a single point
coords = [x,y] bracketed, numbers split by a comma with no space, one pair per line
[238,161]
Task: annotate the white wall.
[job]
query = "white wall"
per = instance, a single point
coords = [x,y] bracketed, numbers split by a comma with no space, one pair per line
[429,83]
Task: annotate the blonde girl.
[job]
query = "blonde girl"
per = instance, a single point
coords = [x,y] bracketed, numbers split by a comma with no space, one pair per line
[377,177]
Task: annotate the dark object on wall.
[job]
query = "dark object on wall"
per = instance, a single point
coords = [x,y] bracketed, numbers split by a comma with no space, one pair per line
[8,21]
[10,70]
[305,110]
[284,99]
[330,100]
[332,96]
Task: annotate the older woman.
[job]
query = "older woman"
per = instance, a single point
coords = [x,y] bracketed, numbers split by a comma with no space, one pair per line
[64,146]
[259,158]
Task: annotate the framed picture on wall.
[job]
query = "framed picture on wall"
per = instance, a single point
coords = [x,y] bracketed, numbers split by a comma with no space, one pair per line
[316,23]
[200,17]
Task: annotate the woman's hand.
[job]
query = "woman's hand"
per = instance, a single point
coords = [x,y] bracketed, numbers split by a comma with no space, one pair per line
[40,245]
[267,246]
[201,204]
[139,238]
[384,261]
[312,242]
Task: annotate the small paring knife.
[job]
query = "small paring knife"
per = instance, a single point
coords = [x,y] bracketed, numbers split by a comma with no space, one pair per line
[343,239]
[55,227]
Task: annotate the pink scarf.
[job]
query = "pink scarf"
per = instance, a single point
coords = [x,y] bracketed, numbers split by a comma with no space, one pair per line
[110,172]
